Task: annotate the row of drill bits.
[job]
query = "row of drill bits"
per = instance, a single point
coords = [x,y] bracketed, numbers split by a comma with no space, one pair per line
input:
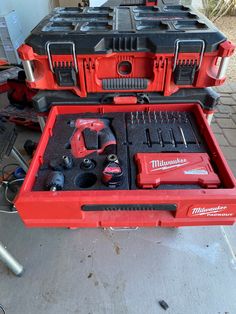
[146,117]
[170,135]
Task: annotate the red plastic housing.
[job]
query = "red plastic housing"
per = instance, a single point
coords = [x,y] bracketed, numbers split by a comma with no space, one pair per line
[156,69]
[65,208]
[174,168]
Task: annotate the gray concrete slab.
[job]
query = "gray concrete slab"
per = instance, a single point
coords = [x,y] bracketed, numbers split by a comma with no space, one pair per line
[100,271]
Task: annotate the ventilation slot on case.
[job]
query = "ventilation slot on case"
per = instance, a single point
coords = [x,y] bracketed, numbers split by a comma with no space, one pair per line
[125,83]
[125,44]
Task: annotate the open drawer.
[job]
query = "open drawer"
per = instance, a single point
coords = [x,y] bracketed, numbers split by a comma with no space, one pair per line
[190,183]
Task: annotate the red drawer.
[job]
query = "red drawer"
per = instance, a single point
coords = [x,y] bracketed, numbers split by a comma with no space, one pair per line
[132,206]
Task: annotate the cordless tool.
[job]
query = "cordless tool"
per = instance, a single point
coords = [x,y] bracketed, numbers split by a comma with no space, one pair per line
[92,135]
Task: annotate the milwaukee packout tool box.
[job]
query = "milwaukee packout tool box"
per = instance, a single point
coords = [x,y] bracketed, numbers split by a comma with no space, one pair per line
[125,49]
[127,164]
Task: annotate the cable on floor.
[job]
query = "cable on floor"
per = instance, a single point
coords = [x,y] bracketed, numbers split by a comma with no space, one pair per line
[2,308]
[5,167]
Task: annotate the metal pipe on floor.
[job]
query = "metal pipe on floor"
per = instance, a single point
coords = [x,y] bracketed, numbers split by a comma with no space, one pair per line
[42,122]
[16,154]
[10,261]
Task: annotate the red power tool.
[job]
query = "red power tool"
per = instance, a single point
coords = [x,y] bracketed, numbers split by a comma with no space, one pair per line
[92,135]
[175,168]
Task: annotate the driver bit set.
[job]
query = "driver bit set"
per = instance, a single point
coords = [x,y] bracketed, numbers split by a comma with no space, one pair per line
[163,129]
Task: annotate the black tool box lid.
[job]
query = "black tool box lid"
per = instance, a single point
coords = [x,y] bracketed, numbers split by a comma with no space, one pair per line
[97,30]
[206,97]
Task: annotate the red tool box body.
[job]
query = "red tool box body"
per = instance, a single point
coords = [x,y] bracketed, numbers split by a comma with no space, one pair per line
[125,49]
[128,208]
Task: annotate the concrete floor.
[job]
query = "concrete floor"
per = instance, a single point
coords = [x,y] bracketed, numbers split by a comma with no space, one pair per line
[102,271]
[99,271]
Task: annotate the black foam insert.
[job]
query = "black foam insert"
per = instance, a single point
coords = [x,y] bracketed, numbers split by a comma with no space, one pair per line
[135,132]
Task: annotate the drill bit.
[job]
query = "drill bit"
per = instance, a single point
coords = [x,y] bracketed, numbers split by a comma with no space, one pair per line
[185,117]
[137,118]
[173,117]
[172,138]
[183,136]
[159,131]
[160,115]
[155,116]
[179,117]
[131,117]
[149,117]
[143,117]
[167,117]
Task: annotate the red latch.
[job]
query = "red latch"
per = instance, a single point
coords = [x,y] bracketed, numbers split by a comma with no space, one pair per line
[125,100]
[25,52]
[226,49]
[151,3]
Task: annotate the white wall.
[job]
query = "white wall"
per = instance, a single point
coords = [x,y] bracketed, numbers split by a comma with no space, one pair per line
[96,3]
[197,4]
[30,12]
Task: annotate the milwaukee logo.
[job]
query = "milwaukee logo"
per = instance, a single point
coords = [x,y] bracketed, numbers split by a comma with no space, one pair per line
[167,164]
[200,211]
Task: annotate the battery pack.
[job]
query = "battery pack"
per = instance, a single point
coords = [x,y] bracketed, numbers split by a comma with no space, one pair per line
[156,169]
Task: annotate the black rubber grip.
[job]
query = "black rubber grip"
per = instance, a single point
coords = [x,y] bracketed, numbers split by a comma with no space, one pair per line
[138,207]
[106,136]
[125,83]
[90,138]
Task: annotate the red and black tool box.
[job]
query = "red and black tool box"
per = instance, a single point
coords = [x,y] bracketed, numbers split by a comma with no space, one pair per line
[127,165]
[125,49]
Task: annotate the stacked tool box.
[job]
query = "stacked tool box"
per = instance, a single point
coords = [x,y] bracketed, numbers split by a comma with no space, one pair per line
[127,142]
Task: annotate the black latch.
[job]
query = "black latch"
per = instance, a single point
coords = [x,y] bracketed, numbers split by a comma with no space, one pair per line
[184,73]
[65,74]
